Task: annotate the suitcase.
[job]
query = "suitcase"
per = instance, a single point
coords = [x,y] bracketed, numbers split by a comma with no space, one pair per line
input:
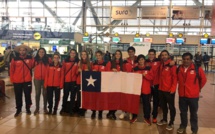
[2,90]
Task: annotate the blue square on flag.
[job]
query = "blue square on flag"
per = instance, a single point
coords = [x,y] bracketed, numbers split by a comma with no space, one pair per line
[91,81]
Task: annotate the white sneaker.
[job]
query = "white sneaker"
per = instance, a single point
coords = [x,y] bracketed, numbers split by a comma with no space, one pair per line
[122,115]
[130,116]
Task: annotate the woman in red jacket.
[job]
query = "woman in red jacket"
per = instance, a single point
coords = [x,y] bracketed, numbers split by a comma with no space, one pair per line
[83,65]
[54,83]
[41,62]
[70,66]
[146,87]
[100,66]
[116,66]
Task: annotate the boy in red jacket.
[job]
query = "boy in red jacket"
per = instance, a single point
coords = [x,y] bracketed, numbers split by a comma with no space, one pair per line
[167,88]
[154,63]
[21,77]
[146,86]
[54,83]
[128,66]
[191,79]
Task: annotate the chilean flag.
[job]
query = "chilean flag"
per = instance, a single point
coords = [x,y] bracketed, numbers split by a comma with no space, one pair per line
[111,91]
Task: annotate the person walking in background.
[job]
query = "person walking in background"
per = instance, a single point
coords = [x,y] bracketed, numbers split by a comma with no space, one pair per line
[9,54]
[54,83]
[83,65]
[21,77]
[167,88]
[147,74]
[100,65]
[206,59]
[107,57]
[198,59]
[41,62]
[70,66]
[116,66]
[191,79]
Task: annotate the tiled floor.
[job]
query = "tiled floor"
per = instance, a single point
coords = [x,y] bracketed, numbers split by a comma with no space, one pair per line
[45,124]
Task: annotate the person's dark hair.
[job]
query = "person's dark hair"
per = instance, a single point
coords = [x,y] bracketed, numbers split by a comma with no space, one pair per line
[87,61]
[76,55]
[152,50]
[113,62]
[44,60]
[140,56]
[205,53]
[131,48]
[187,54]
[99,52]
[165,51]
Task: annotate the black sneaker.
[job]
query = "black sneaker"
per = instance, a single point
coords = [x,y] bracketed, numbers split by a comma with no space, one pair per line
[93,116]
[36,112]
[113,117]
[62,111]
[55,112]
[100,116]
[28,111]
[50,112]
[108,115]
[18,112]
[71,114]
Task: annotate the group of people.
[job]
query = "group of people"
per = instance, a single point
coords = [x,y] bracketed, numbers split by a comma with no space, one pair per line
[160,79]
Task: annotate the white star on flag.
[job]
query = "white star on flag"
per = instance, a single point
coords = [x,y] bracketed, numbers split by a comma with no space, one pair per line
[91,81]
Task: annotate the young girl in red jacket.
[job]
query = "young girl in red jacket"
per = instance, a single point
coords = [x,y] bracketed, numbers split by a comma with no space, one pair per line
[70,66]
[41,62]
[54,83]
[83,65]
[100,65]
[116,66]
[146,87]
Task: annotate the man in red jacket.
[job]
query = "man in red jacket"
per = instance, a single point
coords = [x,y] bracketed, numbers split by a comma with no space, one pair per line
[167,88]
[154,63]
[21,77]
[191,79]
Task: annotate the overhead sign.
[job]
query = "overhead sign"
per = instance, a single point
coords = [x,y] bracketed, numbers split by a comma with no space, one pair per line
[138,39]
[37,36]
[141,47]
[120,13]
[115,39]
[182,13]
[85,39]
[154,12]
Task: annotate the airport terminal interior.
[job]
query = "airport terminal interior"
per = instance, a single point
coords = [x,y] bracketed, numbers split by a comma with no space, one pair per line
[178,26]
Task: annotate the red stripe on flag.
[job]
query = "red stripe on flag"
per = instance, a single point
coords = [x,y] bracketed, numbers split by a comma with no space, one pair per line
[111,101]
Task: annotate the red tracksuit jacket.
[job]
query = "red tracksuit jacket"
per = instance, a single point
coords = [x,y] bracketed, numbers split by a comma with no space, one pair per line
[40,70]
[84,67]
[167,77]
[118,68]
[19,72]
[101,66]
[54,76]
[147,79]
[128,64]
[154,64]
[188,86]
[70,75]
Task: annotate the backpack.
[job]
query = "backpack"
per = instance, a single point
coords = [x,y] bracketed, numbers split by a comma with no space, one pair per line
[196,70]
